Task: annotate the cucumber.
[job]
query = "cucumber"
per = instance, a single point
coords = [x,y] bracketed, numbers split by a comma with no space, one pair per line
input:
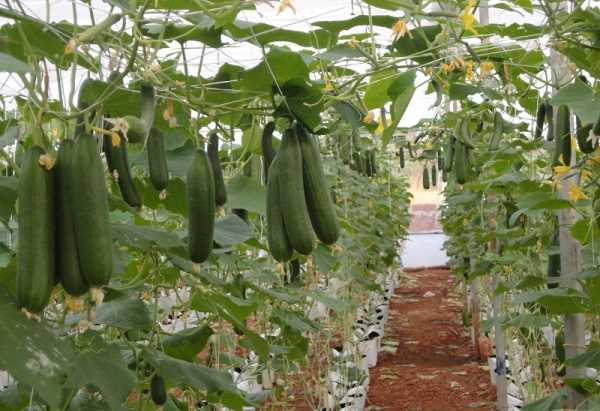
[36,247]
[402,159]
[426,183]
[201,207]
[89,35]
[444,175]
[158,392]
[213,155]
[549,111]
[279,244]
[464,134]
[88,197]
[118,165]
[583,141]
[268,152]
[449,152]
[316,190]
[68,268]
[440,159]
[562,136]
[433,175]
[498,129]
[147,107]
[553,269]
[295,211]
[461,163]
[539,120]
[371,163]
[157,160]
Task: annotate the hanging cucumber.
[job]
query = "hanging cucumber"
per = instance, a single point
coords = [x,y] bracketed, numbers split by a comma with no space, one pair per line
[539,120]
[213,155]
[371,163]
[402,160]
[426,183]
[497,132]
[158,392]
[583,137]
[444,175]
[147,107]
[201,207]
[36,243]
[136,131]
[68,268]
[316,190]
[553,269]
[433,175]
[562,137]
[440,159]
[89,204]
[464,134]
[88,35]
[157,160]
[295,211]
[449,152]
[115,148]
[461,163]
[268,152]
[549,111]
[279,244]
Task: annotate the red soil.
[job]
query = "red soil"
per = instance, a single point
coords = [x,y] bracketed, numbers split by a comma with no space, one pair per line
[435,366]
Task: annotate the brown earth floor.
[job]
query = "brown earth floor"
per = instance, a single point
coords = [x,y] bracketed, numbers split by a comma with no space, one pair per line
[435,367]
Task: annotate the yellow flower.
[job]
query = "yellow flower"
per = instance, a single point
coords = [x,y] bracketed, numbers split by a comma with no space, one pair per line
[380,125]
[459,63]
[447,67]
[485,69]
[115,139]
[353,42]
[575,192]
[369,118]
[400,29]
[285,4]
[169,114]
[468,21]
[469,71]
[561,170]
[46,161]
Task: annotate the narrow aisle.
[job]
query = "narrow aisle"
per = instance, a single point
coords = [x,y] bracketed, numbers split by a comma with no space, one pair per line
[434,367]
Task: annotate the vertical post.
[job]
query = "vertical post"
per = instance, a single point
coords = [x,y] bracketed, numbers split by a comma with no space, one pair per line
[570,252]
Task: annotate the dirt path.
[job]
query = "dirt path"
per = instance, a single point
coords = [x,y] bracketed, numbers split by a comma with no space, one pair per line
[434,367]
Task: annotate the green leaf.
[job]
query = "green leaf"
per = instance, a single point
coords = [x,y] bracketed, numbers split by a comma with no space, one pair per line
[581,99]
[335,304]
[231,230]
[187,343]
[262,34]
[211,36]
[337,26]
[398,109]
[246,193]
[392,4]
[8,197]
[10,64]
[414,44]
[376,94]
[145,238]
[32,354]
[126,313]
[101,365]
[305,101]
[278,66]
[552,402]
[591,359]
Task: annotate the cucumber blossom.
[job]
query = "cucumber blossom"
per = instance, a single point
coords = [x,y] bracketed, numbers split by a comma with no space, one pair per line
[36,236]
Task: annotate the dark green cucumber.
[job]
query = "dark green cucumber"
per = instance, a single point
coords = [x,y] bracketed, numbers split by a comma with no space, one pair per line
[461,163]
[147,107]
[444,175]
[279,244]
[449,154]
[549,111]
[539,120]
[464,134]
[295,211]
[553,269]
[212,150]
[316,190]
[426,183]
[68,268]
[371,162]
[89,200]
[36,247]
[201,207]
[157,160]
[402,159]
[268,152]
[433,175]
[583,137]
[118,165]
[440,159]
[562,136]
[158,392]
[497,132]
